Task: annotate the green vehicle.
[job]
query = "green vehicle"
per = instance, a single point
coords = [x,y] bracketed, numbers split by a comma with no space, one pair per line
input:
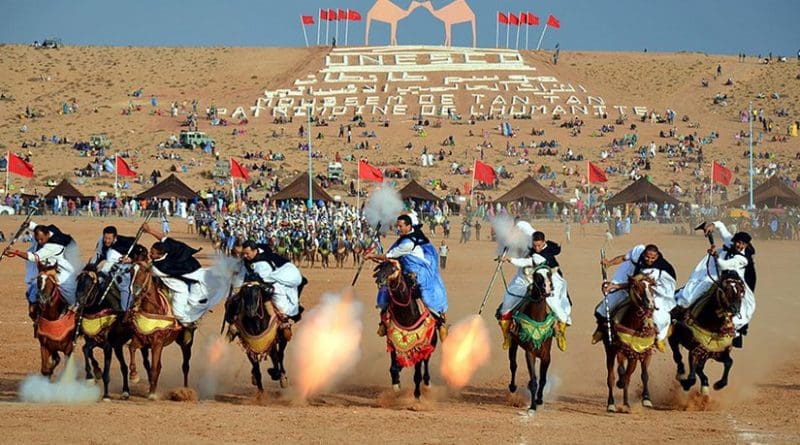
[192,139]
[100,140]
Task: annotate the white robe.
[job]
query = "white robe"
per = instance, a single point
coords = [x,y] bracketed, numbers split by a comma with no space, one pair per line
[284,280]
[700,282]
[518,288]
[663,291]
[123,279]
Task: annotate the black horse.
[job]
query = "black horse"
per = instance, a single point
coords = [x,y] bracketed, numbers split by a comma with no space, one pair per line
[410,319]
[254,320]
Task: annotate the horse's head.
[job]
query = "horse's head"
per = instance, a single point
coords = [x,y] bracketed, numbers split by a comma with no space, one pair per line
[539,282]
[253,294]
[141,279]
[86,285]
[730,292]
[47,285]
[640,291]
[387,271]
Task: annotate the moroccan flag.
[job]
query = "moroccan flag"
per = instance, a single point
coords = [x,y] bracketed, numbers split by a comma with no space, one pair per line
[720,174]
[553,22]
[368,172]
[19,166]
[514,20]
[122,168]
[237,171]
[342,14]
[323,14]
[533,20]
[484,173]
[523,18]
[353,16]
[596,174]
[332,16]
[502,18]
[308,19]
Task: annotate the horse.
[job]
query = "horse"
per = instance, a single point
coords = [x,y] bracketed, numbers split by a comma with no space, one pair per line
[55,322]
[633,338]
[340,251]
[258,329]
[532,328]
[154,324]
[102,326]
[358,247]
[283,245]
[411,328]
[298,249]
[325,252]
[310,253]
[706,330]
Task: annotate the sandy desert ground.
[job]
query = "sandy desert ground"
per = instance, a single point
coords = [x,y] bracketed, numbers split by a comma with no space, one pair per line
[760,405]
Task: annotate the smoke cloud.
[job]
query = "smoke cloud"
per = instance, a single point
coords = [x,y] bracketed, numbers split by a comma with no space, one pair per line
[328,340]
[516,237]
[67,389]
[383,206]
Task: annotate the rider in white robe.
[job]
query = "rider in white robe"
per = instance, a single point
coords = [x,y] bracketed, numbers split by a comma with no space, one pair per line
[284,276]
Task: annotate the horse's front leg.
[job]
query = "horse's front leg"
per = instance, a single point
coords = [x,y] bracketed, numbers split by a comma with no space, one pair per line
[426,375]
[544,364]
[610,358]
[677,357]
[626,380]
[512,365]
[89,361]
[691,379]
[155,371]
[107,354]
[255,372]
[133,375]
[701,372]
[123,367]
[394,372]
[727,363]
[417,379]
[48,364]
[645,379]
[533,385]
[186,340]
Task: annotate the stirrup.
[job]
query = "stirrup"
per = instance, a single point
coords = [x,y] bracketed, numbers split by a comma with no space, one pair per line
[381,329]
[661,345]
[597,336]
[442,329]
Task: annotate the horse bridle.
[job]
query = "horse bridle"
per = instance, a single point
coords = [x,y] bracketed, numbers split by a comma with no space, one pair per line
[261,310]
[723,301]
[93,276]
[541,293]
[56,294]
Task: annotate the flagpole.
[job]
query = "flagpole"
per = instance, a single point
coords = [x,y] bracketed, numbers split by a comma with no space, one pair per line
[337,25]
[518,26]
[310,168]
[8,169]
[346,26]
[588,189]
[539,45]
[508,30]
[358,189]
[319,24]
[472,189]
[116,175]
[711,191]
[327,28]
[305,35]
[750,119]
[497,31]
[527,30]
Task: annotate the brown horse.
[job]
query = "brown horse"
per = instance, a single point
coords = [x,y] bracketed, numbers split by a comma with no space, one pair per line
[154,324]
[532,328]
[310,254]
[55,321]
[633,339]
[706,330]
[257,326]
[340,251]
[411,329]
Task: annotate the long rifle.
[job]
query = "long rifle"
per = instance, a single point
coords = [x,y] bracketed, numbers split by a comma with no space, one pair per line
[494,277]
[605,294]
[22,228]
[710,237]
[376,239]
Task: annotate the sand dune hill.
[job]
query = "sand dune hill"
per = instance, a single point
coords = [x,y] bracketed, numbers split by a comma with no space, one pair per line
[101,79]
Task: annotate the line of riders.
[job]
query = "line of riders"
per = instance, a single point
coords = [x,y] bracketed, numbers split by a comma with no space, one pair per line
[191,290]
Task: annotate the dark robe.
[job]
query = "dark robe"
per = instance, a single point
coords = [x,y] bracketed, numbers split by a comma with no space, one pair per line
[179,260]
[750,269]
[58,237]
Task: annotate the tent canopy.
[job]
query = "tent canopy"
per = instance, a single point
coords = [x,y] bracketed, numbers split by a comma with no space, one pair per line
[529,190]
[172,187]
[773,193]
[64,189]
[298,189]
[641,191]
[414,190]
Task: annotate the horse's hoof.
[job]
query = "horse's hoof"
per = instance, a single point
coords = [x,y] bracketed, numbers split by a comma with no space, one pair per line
[686,385]
[719,385]
[611,409]
[134,377]
[527,413]
[152,396]
[647,403]
[106,398]
[396,387]
[681,376]
[284,381]
[126,395]
[540,401]
[274,373]
[512,388]
[704,390]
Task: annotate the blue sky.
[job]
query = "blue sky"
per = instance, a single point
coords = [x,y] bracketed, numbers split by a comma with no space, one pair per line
[713,26]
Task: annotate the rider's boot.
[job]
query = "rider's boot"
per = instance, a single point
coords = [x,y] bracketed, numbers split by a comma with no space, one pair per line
[442,326]
[381,326]
[505,325]
[597,336]
[737,341]
[560,333]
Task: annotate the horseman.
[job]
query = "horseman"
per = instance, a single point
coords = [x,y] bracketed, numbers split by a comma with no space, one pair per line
[287,282]
[111,248]
[418,256]
[173,262]
[736,255]
[517,290]
[52,248]
[646,260]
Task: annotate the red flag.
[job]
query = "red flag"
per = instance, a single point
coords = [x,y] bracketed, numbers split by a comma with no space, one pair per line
[523,18]
[237,171]
[553,22]
[323,14]
[368,172]
[353,16]
[720,174]
[533,20]
[502,18]
[342,14]
[484,173]
[307,19]
[332,16]
[514,20]
[19,166]
[122,168]
[596,174]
